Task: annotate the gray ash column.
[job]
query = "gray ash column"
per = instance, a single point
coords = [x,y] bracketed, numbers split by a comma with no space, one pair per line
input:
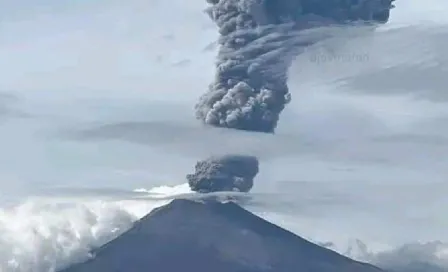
[249,91]
[257,44]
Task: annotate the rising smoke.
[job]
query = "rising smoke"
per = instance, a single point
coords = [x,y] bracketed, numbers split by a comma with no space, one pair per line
[250,88]
[258,41]
[225,173]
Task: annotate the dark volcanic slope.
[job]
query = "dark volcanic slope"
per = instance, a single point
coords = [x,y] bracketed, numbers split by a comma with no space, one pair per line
[213,237]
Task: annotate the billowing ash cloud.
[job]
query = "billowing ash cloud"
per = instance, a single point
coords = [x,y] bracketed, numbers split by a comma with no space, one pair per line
[250,89]
[258,40]
[225,173]
[257,43]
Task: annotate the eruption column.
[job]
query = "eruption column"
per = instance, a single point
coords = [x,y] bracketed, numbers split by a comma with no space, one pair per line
[258,40]
[249,91]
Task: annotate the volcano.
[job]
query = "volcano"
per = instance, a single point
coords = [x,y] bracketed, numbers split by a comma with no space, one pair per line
[205,236]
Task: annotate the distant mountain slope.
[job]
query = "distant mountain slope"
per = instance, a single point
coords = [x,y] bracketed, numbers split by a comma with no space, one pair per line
[187,235]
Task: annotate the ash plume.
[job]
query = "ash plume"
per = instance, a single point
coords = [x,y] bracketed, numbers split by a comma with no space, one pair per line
[249,90]
[258,41]
[224,173]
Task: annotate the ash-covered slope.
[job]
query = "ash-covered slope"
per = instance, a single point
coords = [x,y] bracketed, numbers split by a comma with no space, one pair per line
[211,236]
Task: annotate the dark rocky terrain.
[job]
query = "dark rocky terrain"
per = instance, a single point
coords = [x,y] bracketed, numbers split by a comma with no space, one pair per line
[210,236]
